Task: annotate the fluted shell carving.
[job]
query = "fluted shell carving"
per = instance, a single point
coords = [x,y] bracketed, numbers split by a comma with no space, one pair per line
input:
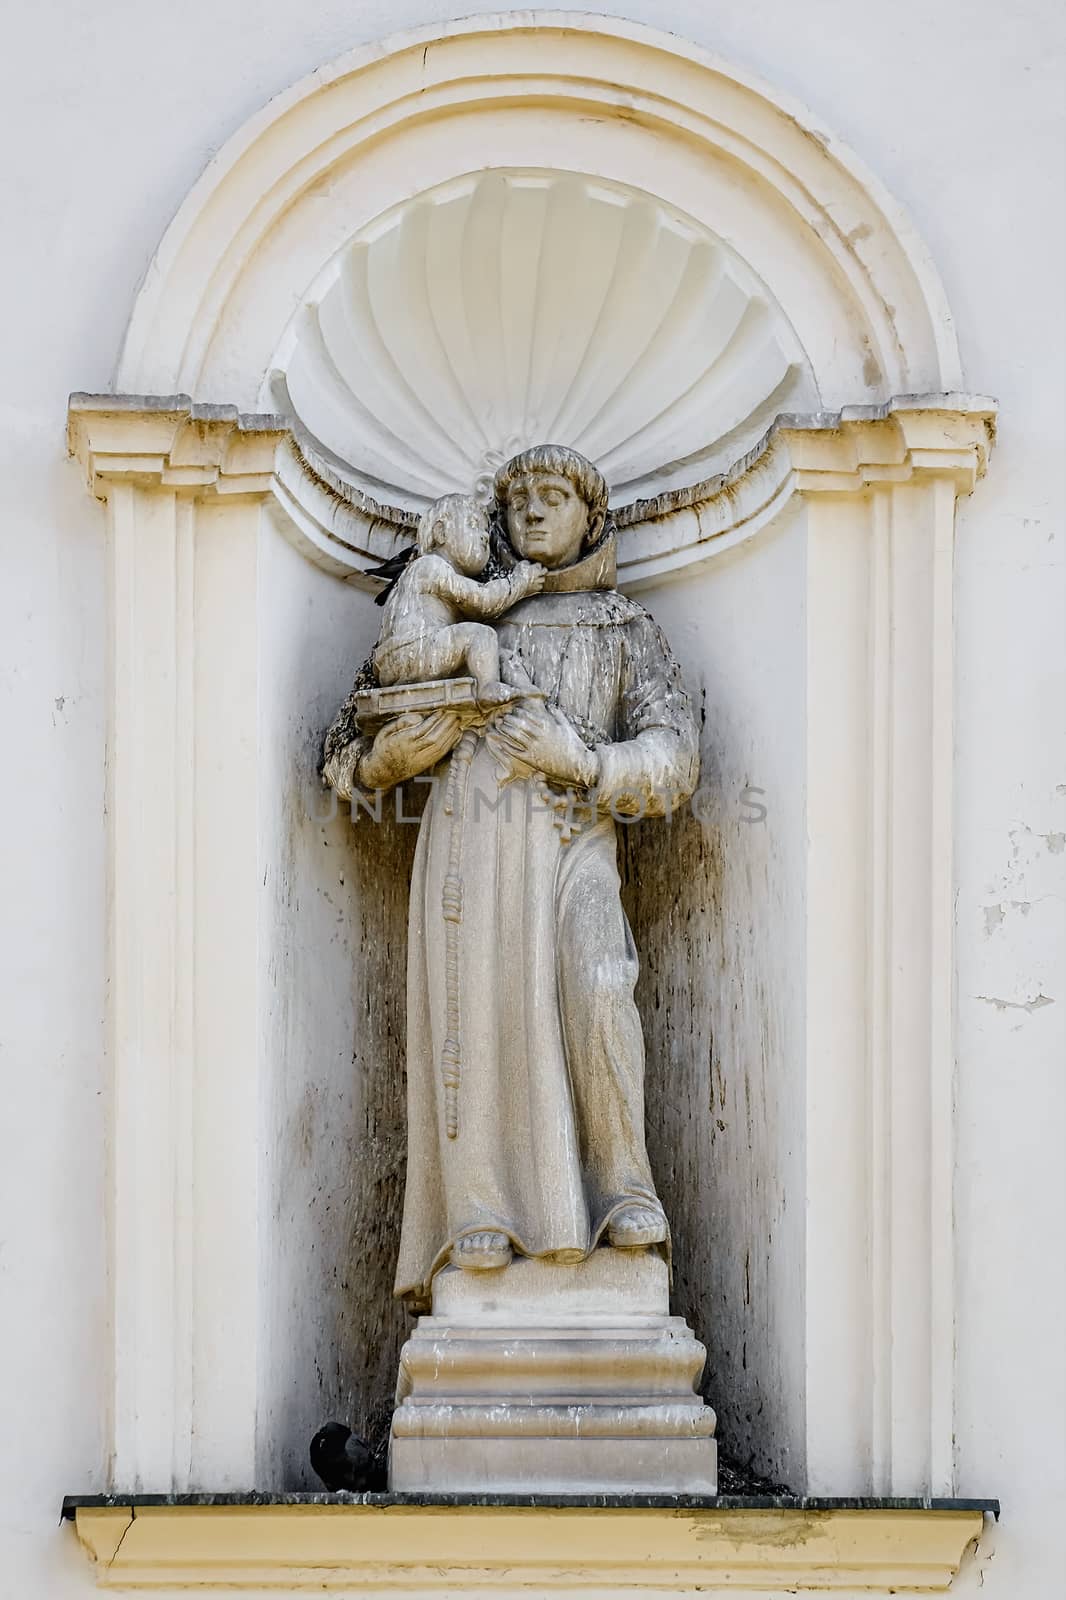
[512,308]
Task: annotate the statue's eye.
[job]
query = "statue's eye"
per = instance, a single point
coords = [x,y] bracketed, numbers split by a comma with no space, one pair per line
[518,501]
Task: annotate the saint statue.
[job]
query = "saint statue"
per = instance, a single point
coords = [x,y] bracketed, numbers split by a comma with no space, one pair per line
[525,1055]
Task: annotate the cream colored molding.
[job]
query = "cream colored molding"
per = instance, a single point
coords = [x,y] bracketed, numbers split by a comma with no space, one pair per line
[183,870]
[504,1549]
[880,1056]
[912,439]
[168,442]
[173,443]
[614,103]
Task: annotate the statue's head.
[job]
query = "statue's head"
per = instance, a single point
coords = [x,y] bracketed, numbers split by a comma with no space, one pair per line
[458,527]
[551,504]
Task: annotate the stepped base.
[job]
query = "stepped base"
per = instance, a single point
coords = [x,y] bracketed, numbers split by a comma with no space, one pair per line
[561,1380]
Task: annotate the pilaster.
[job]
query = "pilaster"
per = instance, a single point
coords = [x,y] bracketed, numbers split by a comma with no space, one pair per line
[181,486]
[880,1034]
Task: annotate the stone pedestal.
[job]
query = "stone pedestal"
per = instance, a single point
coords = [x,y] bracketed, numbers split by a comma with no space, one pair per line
[553,1379]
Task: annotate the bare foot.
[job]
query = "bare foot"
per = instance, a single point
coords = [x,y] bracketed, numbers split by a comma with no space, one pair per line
[481,1252]
[635,1227]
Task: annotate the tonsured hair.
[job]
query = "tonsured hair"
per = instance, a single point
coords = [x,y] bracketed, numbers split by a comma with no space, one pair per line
[565,463]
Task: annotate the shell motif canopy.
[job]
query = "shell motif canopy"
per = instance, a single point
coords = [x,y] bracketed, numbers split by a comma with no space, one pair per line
[510,308]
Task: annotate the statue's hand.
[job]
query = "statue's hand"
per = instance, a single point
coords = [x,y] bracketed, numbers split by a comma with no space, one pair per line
[407,746]
[528,577]
[546,741]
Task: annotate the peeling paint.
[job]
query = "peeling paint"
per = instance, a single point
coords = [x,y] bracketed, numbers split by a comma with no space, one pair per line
[1029,1006]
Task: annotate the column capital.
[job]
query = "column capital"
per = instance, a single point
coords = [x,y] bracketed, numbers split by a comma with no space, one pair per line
[913,437]
[168,441]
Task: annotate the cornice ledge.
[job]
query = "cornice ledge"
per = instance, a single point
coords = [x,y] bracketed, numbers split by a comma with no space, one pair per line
[908,438]
[362,1547]
[170,441]
[334,522]
[853,443]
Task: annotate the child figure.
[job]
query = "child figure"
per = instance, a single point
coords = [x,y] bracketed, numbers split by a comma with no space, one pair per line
[423,632]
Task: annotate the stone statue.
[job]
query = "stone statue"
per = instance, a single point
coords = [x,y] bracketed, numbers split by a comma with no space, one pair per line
[548,1156]
[525,1055]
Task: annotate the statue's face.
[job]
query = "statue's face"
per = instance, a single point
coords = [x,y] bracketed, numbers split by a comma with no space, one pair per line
[547,520]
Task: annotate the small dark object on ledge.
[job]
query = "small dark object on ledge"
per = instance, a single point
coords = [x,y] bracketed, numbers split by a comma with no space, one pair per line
[341,1460]
[734,1480]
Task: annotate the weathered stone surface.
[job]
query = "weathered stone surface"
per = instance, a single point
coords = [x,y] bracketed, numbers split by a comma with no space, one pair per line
[562,1379]
[612,1283]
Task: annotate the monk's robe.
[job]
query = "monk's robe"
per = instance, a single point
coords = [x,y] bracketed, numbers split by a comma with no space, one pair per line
[525,1055]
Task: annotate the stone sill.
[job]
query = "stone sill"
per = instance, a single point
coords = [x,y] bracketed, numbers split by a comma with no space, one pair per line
[463,1543]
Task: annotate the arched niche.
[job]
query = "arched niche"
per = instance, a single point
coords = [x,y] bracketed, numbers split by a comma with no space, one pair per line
[363,292]
[556,90]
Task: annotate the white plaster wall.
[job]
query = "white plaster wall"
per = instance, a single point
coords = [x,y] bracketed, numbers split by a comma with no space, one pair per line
[108,114]
[1010,860]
